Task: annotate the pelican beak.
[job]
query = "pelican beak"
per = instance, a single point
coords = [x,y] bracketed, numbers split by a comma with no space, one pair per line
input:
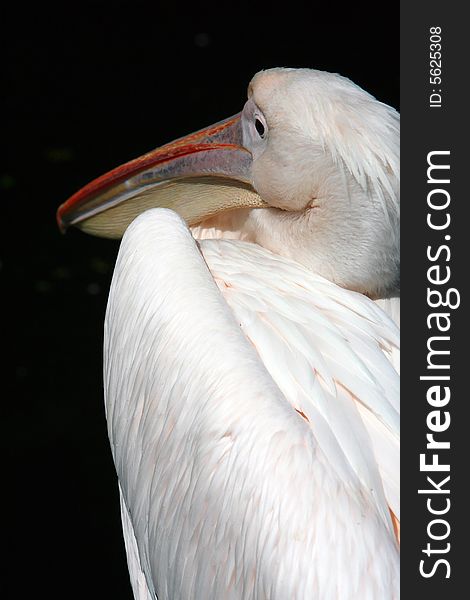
[198,176]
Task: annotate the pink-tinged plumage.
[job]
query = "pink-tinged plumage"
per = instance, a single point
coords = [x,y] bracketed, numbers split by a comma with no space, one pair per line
[251,377]
[229,492]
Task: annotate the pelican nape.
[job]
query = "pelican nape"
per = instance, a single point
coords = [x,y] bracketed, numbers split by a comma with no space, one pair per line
[251,377]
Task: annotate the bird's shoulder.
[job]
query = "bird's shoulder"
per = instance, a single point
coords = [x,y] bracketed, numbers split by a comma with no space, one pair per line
[328,349]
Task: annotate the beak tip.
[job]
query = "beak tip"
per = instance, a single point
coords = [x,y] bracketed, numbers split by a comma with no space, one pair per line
[60,223]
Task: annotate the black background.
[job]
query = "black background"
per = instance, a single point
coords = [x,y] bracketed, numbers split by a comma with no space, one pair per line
[89,86]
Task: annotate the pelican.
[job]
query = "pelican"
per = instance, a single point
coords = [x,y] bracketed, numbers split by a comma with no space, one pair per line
[250,375]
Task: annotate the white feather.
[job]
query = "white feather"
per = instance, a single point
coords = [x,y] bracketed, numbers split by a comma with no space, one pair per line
[229,492]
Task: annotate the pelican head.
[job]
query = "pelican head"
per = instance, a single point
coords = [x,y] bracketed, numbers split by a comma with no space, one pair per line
[309,169]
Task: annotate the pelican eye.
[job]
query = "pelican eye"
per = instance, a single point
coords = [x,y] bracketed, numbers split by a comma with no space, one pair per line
[259,127]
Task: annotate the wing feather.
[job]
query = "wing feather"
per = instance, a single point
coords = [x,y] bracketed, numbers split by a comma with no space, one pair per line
[308,330]
[227,491]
